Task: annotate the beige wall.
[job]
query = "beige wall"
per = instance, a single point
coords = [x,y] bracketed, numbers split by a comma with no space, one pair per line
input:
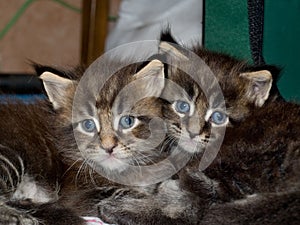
[47,33]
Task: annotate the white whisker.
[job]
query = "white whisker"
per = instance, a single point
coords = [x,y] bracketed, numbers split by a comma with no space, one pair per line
[70,167]
[22,169]
[8,177]
[11,165]
[80,170]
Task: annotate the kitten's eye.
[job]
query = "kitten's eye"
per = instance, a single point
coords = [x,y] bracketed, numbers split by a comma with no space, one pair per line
[182,107]
[126,121]
[88,125]
[218,118]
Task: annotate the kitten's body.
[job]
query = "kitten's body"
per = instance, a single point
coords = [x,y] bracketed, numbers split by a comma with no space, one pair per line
[262,154]
[30,165]
[255,177]
[27,133]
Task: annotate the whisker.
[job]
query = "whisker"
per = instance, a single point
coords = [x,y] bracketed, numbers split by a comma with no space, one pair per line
[91,170]
[8,177]
[22,168]
[12,166]
[79,171]
[70,167]
[142,157]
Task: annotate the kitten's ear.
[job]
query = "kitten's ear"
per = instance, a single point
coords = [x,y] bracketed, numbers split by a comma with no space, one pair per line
[258,86]
[153,72]
[170,50]
[167,45]
[56,88]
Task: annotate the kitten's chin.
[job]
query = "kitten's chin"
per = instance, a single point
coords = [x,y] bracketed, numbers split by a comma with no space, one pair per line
[110,163]
[190,145]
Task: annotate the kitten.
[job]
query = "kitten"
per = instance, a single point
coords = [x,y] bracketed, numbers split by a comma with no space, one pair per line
[254,159]
[30,168]
[190,116]
[103,135]
[64,175]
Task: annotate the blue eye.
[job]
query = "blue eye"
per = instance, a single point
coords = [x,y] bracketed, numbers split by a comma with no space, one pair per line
[126,121]
[88,125]
[218,118]
[182,107]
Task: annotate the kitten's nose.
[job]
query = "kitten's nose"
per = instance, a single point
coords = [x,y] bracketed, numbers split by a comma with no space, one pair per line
[192,135]
[108,143]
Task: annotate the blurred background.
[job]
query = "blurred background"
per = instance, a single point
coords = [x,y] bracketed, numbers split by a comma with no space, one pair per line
[72,32]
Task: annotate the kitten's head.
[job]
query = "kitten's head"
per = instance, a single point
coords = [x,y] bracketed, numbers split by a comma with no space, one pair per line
[191,114]
[110,133]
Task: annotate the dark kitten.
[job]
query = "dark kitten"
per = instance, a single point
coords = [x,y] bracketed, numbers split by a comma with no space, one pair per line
[259,155]
[30,167]
[259,158]
[254,158]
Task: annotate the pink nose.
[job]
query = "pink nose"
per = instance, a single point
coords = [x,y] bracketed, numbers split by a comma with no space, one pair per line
[108,143]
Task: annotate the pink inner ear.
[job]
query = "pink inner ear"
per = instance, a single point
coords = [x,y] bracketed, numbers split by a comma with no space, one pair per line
[255,88]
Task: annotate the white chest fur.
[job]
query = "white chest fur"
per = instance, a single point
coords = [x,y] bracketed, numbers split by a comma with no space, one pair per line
[29,189]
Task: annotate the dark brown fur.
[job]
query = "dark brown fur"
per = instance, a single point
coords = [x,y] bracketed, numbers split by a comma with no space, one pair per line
[255,177]
[261,154]
[28,154]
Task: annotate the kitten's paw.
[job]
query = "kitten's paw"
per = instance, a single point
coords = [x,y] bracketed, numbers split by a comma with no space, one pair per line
[110,213]
[196,182]
[121,211]
[12,216]
[28,213]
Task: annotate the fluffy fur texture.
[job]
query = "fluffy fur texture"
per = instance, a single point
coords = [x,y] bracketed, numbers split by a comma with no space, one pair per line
[255,174]
[30,167]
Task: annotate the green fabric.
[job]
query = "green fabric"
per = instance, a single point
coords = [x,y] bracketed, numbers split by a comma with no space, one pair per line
[226,30]
[282,43]
[226,27]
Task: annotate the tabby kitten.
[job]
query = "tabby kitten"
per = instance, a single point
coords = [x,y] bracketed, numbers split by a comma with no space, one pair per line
[43,169]
[258,163]
[102,136]
[253,157]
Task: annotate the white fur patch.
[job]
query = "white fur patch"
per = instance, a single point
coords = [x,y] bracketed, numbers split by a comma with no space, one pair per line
[247,199]
[29,189]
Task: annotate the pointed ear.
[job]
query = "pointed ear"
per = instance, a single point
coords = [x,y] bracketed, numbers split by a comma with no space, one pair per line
[170,50]
[154,77]
[56,88]
[258,86]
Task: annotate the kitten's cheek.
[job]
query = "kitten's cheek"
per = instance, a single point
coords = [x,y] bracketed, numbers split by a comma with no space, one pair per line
[189,145]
